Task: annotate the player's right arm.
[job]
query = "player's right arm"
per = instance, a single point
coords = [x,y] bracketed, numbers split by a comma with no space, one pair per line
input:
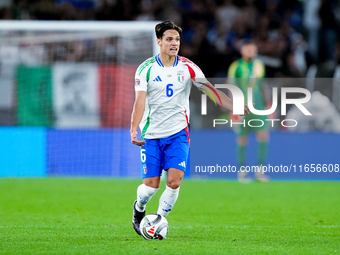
[141,84]
[136,117]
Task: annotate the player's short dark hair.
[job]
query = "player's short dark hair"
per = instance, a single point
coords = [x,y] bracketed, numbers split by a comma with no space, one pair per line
[247,42]
[166,25]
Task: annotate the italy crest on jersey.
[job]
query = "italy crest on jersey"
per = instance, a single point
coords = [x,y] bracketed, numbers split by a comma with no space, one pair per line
[180,75]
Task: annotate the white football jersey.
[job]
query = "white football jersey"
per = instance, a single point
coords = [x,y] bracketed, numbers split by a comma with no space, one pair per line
[167,100]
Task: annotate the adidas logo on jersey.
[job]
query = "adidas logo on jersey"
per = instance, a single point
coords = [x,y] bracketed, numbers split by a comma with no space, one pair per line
[158,78]
[182,164]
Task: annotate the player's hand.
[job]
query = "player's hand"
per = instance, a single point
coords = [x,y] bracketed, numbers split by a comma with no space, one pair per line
[272,115]
[134,139]
[246,110]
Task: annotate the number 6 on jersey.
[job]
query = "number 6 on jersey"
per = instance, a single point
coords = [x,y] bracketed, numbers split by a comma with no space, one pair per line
[169,90]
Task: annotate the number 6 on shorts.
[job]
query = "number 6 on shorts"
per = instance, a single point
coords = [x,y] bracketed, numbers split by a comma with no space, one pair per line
[142,155]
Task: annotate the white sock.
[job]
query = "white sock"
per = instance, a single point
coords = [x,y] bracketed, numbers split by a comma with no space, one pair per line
[144,194]
[167,201]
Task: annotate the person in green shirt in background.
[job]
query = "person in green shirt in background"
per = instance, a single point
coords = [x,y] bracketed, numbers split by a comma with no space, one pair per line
[249,72]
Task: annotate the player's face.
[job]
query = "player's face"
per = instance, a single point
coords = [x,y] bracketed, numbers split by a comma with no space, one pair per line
[169,44]
[249,51]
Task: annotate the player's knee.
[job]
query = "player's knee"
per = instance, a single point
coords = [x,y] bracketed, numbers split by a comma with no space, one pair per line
[174,184]
[263,136]
[151,183]
[242,140]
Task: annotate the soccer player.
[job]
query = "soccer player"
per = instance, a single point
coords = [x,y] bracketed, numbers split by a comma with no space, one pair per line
[161,110]
[249,72]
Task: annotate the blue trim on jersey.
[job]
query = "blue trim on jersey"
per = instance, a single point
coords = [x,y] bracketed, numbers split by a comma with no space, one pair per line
[176,61]
[161,64]
[159,61]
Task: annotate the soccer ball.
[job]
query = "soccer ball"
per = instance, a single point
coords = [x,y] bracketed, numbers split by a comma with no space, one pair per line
[154,226]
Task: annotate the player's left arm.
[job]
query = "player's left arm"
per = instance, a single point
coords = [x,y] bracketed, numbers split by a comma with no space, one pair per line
[265,89]
[208,89]
[266,93]
[222,100]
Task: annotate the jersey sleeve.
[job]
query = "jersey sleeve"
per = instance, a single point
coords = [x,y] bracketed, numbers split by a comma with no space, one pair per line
[232,73]
[141,83]
[232,70]
[196,74]
[259,69]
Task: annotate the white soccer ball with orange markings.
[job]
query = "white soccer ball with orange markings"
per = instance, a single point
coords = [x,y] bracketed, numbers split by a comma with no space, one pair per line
[154,227]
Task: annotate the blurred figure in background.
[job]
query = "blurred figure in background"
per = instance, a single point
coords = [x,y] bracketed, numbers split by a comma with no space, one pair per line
[328,32]
[249,72]
[311,22]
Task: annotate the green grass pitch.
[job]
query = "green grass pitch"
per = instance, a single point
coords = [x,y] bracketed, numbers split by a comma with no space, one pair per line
[93,216]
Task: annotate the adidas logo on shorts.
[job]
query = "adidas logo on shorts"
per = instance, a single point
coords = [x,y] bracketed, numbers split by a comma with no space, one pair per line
[182,164]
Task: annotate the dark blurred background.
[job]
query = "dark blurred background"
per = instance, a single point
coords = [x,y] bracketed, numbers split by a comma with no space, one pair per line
[291,35]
